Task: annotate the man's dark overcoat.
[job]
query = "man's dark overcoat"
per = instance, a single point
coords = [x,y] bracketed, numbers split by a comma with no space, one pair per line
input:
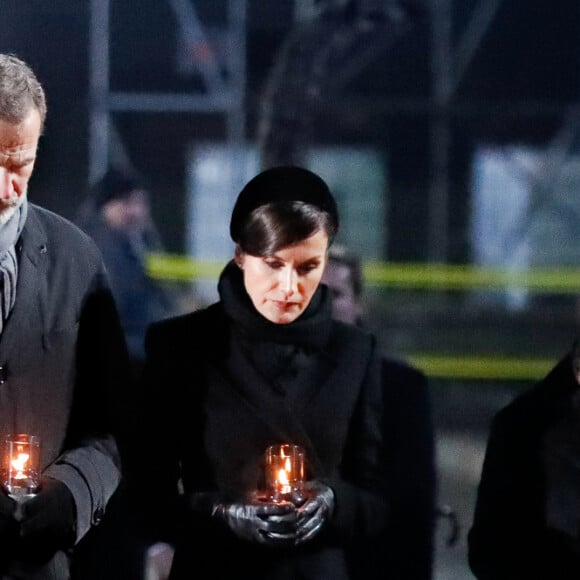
[62,365]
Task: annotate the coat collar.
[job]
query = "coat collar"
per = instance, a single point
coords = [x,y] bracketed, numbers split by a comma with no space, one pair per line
[32,248]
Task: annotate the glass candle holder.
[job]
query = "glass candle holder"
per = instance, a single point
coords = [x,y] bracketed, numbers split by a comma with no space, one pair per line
[285,472]
[20,465]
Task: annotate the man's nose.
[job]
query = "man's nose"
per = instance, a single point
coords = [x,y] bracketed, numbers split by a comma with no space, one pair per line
[5,184]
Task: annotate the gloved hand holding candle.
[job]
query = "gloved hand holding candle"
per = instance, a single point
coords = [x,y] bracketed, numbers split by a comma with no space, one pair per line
[290,512]
[285,480]
[315,512]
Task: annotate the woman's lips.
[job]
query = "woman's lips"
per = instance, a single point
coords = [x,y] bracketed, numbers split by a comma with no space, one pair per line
[283,304]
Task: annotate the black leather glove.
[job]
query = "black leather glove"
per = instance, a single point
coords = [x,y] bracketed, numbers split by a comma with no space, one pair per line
[48,521]
[251,518]
[315,512]
[8,523]
[9,528]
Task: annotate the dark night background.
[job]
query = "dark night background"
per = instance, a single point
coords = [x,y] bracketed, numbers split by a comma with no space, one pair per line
[521,87]
[520,84]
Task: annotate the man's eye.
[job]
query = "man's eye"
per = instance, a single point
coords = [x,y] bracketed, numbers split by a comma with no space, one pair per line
[20,169]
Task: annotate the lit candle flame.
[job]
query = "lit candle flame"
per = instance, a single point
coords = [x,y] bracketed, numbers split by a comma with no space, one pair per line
[284,471]
[283,481]
[19,465]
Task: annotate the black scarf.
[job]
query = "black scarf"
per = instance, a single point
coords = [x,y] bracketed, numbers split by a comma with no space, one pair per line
[310,330]
[283,353]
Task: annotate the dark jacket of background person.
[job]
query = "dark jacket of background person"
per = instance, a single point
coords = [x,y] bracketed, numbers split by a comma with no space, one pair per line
[140,299]
[528,505]
[63,359]
[214,415]
[407,549]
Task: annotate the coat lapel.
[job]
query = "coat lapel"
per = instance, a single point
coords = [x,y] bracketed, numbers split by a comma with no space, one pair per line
[27,311]
[269,405]
[335,396]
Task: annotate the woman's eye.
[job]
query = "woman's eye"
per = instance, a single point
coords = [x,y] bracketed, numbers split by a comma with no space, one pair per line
[307,268]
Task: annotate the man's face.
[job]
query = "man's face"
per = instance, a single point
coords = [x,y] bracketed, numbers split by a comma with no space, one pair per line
[18,145]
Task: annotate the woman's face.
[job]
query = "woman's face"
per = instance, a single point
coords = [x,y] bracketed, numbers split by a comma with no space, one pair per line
[281,286]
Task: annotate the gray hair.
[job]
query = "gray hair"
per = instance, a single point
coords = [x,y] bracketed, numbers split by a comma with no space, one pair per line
[20,91]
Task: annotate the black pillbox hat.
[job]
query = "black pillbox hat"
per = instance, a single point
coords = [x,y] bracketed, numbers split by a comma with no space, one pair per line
[285,183]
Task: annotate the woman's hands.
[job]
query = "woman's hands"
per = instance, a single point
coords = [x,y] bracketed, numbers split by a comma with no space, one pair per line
[258,521]
[315,512]
[271,523]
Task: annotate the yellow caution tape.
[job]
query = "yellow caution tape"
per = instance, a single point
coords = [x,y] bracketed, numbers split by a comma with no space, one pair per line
[490,367]
[464,277]
[176,267]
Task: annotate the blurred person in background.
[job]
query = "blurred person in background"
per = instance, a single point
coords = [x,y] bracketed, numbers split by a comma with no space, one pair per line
[266,364]
[527,516]
[63,359]
[407,550]
[117,215]
[344,277]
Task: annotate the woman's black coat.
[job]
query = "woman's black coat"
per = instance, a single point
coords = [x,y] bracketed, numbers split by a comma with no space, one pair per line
[208,417]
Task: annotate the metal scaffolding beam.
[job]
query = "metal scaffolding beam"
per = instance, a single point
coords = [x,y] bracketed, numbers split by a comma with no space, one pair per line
[448,65]
[224,93]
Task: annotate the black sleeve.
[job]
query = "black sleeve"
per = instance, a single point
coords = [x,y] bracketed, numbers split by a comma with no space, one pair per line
[151,449]
[411,452]
[506,538]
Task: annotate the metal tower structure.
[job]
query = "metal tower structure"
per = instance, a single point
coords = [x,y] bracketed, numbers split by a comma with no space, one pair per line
[223,93]
[337,40]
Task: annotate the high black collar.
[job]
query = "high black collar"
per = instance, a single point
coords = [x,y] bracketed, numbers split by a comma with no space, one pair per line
[310,330]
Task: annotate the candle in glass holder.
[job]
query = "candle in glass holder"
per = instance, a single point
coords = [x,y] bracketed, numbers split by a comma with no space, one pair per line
[20,464]
[284,472]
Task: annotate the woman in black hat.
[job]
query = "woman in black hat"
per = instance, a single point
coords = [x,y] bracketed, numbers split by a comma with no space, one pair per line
[265,365]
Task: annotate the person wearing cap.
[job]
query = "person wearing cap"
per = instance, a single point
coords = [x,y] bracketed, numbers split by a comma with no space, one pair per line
[265,365]
[117,216]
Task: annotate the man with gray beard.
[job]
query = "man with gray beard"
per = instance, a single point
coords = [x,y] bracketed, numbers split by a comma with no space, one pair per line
[63,360]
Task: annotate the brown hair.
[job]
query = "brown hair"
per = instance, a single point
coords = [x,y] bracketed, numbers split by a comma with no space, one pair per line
[273,226]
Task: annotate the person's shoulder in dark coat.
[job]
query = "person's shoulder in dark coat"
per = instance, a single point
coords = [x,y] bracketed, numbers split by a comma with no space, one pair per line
[508,538]
[409,545]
